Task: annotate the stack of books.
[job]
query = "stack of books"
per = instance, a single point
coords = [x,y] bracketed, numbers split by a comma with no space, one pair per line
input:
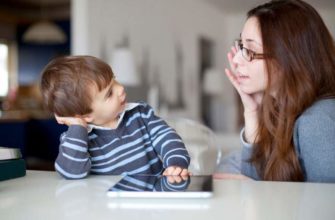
[11,163]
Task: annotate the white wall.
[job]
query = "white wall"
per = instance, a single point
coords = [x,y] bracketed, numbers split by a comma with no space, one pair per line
[157,27]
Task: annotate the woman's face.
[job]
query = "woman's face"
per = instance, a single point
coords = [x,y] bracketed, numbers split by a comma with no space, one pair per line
[252,76]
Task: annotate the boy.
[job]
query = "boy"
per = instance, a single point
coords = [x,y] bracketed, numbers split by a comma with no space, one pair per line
[106,135]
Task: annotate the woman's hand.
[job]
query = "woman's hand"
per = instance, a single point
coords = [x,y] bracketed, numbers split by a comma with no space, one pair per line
[250,102]
[71,121]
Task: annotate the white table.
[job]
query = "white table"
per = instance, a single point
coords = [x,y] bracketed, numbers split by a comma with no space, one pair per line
[45,195]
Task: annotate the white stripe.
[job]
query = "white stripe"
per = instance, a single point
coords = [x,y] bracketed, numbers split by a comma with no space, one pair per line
[138,182]
[117,139]
[74,147]
[77,140]
[162,131]
[161,137]
[156,121]
[155,129]
[137,115]
[74,159]
[120,148]
[122,155]
[180,156]
[69,175]
[143,168]
[122,163]
[168,142]
[126,186]
[170,151]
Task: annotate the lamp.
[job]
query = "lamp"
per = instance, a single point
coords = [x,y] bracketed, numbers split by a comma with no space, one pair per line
[213,82]
[44,32]
[123,66]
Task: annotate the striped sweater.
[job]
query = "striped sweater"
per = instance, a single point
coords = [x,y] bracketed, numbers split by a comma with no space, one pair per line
[142,143]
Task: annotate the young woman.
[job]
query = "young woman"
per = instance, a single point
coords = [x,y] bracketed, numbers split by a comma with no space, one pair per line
[283,68]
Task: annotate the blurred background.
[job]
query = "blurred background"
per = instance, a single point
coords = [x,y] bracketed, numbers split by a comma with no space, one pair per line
[171,54]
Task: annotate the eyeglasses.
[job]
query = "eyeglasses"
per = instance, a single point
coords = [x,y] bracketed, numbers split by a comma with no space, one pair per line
[247,54]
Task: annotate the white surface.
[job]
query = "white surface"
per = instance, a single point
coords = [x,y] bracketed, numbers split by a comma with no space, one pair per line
[45,195]
[156,31]
[200,143]
[161,195]
[228,142]
[123,65]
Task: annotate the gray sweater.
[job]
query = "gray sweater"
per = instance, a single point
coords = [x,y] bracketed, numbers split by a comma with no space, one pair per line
[314,141]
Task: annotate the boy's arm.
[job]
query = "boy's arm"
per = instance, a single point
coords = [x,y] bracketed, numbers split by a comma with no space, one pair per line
[73,160]
[167,143]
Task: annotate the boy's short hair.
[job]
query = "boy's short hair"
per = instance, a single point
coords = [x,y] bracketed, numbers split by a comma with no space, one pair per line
[66,83]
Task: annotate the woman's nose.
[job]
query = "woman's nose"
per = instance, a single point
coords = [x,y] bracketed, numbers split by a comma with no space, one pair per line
[238,59]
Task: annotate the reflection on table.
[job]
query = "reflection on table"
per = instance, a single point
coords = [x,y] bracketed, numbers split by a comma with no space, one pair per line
[41,195]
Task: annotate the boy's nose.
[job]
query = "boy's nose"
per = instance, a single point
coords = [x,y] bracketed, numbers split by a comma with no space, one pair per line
[121,90]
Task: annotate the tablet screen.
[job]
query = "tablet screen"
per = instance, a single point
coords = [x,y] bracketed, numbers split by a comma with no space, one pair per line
[146,186]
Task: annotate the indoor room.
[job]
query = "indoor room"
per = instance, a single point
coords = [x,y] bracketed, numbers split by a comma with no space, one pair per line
[170,54]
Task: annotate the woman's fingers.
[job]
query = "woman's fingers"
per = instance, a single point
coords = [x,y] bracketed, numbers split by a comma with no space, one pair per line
[230,57]
[232,78]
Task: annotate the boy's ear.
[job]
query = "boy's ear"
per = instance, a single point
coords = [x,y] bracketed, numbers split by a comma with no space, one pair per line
[88,118]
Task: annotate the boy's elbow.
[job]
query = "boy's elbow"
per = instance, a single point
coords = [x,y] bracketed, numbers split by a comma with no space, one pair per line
[70,175]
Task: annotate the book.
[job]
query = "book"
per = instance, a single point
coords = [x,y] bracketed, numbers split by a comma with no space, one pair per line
[9,153]
[11,163]
[10,169]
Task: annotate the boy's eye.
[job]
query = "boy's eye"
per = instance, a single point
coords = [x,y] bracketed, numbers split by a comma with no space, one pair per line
[109,93]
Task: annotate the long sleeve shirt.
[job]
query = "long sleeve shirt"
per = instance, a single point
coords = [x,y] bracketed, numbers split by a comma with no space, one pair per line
[314,141]
[142,143]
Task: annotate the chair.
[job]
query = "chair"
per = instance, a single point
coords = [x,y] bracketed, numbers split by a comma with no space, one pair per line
[201,144]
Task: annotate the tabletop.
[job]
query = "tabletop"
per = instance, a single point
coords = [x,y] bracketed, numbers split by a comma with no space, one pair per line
[46,195]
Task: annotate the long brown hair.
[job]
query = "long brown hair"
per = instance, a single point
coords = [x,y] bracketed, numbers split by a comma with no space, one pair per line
[301,66]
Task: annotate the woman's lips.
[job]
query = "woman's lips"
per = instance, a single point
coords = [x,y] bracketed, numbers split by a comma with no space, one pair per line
[242,79]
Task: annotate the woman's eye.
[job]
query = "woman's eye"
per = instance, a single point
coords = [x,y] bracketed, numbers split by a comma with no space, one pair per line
[247,51]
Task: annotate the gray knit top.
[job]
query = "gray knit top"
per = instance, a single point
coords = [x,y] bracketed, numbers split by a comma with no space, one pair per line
[314,141]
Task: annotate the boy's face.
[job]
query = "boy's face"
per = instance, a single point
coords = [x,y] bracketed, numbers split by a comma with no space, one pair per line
[107,104]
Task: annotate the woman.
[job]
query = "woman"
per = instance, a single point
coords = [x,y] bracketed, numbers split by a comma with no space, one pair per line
[283,68]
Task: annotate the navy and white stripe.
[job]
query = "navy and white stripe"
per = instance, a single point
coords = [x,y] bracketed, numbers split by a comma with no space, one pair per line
[141,144]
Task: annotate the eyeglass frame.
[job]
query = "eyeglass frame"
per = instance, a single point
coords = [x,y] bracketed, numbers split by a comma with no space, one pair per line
[253,54]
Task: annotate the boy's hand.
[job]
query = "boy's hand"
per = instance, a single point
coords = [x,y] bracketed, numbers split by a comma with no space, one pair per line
[176,179]
[176,171]
[71,121]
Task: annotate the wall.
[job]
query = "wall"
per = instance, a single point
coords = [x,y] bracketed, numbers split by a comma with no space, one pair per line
[155,29]
[33,57]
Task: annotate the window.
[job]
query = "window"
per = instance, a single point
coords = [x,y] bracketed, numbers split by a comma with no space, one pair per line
[4,67]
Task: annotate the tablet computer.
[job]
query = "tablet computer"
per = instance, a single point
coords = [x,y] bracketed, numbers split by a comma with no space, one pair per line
[146,186]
